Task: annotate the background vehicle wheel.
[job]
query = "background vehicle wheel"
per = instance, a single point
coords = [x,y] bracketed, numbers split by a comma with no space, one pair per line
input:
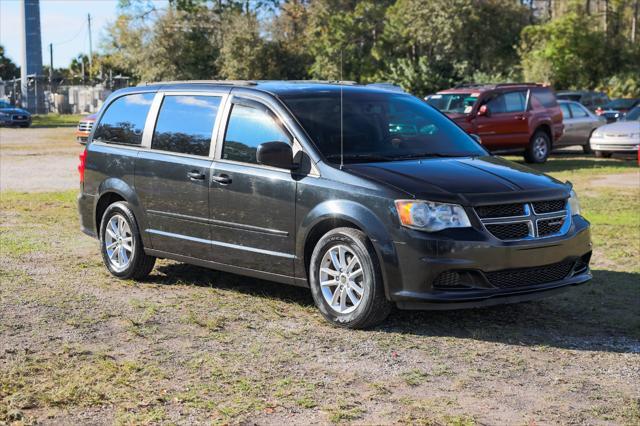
[587,149]
[539,148]
[121,245]
[346,282]
[603,154]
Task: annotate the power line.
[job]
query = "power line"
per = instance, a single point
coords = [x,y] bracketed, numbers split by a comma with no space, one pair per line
[82,27]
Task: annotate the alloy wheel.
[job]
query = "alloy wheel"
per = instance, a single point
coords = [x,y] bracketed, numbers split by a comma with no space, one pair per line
[540,148]
[118,242]
[342,279]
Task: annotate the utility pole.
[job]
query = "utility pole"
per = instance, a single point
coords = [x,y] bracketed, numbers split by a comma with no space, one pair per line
[90,47]
[51,66]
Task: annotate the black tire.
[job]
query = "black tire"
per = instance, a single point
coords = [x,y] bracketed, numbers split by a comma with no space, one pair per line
[139,264]
[373,307]
[587,149]
[603,154]
[539,148]
[24,126]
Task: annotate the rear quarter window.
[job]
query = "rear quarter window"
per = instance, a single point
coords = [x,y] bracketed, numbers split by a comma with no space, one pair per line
[123,121]
[546,97]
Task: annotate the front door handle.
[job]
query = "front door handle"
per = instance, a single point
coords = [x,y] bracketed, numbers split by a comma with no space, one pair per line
[222,179]
[195,175]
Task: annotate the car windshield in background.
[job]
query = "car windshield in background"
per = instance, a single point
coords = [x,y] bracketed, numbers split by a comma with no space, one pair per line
[378,127]
[461,103]
[5,104]
[633,115]
[620,104]
[569,97]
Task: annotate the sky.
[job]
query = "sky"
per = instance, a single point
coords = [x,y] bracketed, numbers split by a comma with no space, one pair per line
[62,22]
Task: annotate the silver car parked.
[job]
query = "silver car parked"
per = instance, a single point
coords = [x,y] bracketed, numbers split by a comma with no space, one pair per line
[622,136]
[579,124]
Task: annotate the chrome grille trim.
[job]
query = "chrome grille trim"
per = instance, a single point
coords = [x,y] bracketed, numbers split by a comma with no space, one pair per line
[531,218]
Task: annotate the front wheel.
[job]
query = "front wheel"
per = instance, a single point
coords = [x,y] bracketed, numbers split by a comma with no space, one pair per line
[346,282]
[539,148]
[121,245]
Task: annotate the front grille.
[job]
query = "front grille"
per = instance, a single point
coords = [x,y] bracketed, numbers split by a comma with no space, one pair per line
[85,126]
[500,210]
[548,206]
[19,117]
[516,221]
[509,231]
[513,278]
[550,226]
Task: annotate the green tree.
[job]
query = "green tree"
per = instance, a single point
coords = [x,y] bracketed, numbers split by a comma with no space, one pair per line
[8,70]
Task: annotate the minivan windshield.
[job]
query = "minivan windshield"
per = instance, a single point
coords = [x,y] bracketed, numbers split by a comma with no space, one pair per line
[378,127]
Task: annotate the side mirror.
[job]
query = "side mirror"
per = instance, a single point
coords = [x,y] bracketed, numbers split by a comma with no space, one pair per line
[276,154]
[484,111]
[476,138]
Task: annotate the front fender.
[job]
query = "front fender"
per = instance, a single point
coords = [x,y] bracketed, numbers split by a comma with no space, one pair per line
[361,217]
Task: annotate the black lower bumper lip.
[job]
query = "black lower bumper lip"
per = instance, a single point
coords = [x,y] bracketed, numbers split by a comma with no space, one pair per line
[483,298]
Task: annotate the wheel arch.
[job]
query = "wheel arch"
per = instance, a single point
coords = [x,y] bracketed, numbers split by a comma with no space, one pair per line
[343,213]
[113,190]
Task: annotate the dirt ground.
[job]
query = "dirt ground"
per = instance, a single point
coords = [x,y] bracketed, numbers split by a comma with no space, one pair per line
[38,159]
[194,346]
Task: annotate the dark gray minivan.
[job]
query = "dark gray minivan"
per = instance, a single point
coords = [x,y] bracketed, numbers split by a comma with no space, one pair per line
[370,197]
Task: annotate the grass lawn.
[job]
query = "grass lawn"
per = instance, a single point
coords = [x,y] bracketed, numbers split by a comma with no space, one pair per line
[191,345]
[57,120]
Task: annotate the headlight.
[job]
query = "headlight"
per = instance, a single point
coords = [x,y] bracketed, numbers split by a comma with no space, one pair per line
[430,216]
[596,134]
[574,204]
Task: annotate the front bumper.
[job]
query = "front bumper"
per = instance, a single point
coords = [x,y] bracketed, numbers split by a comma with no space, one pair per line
[489,271]
[617,145]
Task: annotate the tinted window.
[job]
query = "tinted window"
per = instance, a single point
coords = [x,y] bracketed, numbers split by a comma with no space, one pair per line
[185,124]
[123,122]
[377,126]
[545,97]
[507,102]
[565,110]
[578,111]
[248,127]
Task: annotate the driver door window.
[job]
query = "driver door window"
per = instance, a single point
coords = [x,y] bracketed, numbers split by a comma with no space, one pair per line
[249,127]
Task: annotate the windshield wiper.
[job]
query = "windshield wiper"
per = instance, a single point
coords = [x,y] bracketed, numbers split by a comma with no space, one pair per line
[364,157]
[433,154]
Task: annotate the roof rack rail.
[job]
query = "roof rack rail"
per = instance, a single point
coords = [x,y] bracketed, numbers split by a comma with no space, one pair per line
[225,82]
[494,85]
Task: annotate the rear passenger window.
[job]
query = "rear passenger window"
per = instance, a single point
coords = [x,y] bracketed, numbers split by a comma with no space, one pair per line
[185,124]
[124,120]
[565,111]
[578,111]
[248,127]
[545,97]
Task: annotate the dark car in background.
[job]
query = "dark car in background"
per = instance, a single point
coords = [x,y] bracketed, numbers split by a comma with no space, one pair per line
[371,198]
[590,99]
[507,117]
[12,116]
[617,108]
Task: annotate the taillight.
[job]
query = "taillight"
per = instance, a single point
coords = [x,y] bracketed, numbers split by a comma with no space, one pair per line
[599,111]
[81,166]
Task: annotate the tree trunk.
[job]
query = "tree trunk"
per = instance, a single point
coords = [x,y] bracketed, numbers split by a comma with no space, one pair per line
[634,21]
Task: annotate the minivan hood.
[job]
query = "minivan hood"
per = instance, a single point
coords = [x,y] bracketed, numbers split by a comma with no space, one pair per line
[468,180]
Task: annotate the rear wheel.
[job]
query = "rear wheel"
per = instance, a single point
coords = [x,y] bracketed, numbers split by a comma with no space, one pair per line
[121,245]
[539,148]
[346,282]
[603,154]
[587,149]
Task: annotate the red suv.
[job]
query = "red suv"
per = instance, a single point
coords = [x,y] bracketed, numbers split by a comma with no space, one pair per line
[506,117]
